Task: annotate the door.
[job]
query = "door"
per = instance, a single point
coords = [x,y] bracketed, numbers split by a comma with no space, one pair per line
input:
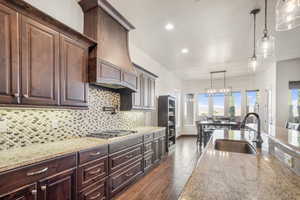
[61,187]
[9,56]
[74,84]
[28,192]
[40,63]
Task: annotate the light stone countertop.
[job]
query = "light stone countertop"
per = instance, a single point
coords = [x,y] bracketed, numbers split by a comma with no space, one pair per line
[10,159]
[234,176]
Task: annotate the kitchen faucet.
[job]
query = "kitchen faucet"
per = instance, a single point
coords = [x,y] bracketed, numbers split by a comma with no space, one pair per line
[258,140]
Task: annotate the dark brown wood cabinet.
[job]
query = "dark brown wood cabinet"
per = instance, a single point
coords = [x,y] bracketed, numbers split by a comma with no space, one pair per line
[74,83]
[9,56]
[144,97]
[40,63]
[28,192]
[58,187]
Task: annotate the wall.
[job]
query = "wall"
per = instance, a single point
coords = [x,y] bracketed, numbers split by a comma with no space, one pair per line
[288,70]
[31,126]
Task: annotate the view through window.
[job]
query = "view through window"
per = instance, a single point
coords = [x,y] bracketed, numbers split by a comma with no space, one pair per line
[203,105]
[235,104]
[252,101]
[219,104]
[294,105]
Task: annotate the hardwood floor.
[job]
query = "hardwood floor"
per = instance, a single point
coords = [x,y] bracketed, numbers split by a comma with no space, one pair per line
[166,181]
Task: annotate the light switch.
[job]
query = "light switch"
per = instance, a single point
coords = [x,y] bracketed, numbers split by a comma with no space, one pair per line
[3,126]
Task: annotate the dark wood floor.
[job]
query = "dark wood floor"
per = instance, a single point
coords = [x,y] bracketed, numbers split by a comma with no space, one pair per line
[167,180]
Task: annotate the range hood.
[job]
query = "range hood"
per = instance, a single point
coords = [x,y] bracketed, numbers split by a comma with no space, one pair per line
[109,64]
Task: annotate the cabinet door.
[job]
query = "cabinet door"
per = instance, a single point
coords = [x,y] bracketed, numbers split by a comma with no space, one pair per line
[151,93]
[145,81]
[155,151]
[162,147]
[74,85]
[61,187]
[9,56]
[136,97]
[40,63]
[28,192]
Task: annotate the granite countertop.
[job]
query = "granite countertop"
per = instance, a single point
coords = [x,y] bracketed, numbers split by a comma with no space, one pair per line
[289,138]
[235,176]
[10,159]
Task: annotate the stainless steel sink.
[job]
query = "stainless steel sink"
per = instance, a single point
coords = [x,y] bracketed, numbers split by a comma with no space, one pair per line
[237,146]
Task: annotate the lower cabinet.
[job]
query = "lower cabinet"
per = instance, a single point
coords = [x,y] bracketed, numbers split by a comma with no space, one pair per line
[96,191]
[28,192]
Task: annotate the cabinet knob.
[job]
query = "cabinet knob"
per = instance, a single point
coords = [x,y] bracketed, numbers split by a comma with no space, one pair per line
[34,192]
[43,188]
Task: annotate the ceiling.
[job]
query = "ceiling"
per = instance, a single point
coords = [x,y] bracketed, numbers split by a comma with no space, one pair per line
[217,33]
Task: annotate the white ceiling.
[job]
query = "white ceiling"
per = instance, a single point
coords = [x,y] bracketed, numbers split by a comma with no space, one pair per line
[216,32]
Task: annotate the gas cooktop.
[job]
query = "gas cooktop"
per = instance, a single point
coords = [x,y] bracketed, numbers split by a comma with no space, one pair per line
[111,134]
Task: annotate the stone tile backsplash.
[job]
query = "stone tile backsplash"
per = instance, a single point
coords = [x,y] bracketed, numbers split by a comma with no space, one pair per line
[31,126]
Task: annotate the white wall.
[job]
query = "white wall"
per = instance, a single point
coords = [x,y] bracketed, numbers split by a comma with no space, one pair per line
[69,12]
[288,70]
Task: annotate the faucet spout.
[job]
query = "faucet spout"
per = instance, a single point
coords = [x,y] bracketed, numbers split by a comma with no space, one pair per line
[258,139]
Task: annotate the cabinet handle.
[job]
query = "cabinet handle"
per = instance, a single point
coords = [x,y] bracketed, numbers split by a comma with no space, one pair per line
[129,174]
[25,96]
[44,188]
[34,192]
[16,95]
[94,172]
[95,197]
[95,154]
[37,172]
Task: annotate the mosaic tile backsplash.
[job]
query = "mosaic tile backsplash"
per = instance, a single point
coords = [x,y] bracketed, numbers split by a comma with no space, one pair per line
[32,126]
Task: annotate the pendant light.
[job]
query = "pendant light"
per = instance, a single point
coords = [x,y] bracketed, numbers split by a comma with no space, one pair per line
[253,61]
[287,14]
[266,44]
[227,91]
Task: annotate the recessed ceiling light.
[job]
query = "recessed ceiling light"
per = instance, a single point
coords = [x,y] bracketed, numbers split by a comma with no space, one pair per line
[169,26]
[184,50]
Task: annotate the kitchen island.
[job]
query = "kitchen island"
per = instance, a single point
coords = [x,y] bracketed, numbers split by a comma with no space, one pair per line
[235,176]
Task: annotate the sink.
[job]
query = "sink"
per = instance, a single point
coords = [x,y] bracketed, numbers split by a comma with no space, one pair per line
[236,146]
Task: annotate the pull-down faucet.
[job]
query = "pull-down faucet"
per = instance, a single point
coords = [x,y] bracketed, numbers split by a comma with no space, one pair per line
[258,139]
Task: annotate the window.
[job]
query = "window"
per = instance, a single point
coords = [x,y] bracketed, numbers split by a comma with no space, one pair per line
[203,104]
[189,109]
[235,104]
[218,104]
[252,101]
[294,105]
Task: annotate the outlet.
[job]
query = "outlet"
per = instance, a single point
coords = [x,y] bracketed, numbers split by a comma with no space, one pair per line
[55,124]
[3,126]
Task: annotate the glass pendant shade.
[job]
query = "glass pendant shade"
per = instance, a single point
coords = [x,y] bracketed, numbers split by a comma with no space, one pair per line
[266,46]
[287,14]
[253,63]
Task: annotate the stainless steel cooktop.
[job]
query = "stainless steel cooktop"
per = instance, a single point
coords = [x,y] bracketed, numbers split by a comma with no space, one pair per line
[111,133]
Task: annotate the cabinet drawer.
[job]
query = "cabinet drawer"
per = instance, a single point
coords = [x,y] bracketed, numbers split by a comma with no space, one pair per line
[148,161]
[148,148]
[148,137]
[32,173]
[92,172]
[124,144]
[125,157]
[125,177]
[159,134]
[97,191]
[92,154]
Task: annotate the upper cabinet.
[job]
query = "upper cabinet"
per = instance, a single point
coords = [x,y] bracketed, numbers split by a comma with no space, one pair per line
[109,64]
[9,56]
[144,97]
[43,62]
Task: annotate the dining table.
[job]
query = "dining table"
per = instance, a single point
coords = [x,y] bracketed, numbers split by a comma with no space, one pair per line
[215,124]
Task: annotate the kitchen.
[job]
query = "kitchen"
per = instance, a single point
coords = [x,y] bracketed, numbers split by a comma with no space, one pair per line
[110,99]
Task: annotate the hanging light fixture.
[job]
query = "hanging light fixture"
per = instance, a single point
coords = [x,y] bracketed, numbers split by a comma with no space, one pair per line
[227,91]
[287,14]
[266,44]
[253,61]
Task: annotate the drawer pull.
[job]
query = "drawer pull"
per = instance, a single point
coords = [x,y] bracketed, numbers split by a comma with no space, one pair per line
[37,172]
[95,197]
[34,192]
[43,188]
[95,172]
[26,96]
[95,154]
[129,174]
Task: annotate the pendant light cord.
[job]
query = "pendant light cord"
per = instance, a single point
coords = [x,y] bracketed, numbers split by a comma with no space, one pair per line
[254,39]
[266,18]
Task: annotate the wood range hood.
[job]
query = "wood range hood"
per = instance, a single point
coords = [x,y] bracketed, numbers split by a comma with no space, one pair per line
[109,64]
